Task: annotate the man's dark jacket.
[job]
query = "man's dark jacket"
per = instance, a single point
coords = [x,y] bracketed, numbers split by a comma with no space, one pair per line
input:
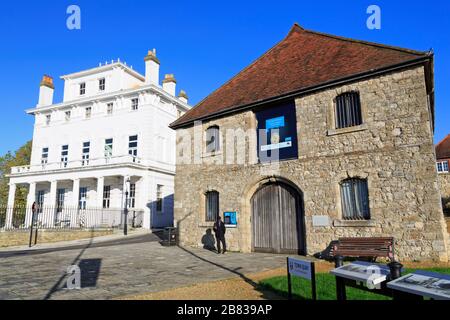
[219,229]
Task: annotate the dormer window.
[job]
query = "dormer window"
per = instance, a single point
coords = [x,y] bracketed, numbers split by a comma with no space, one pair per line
[82,89]
[348,110]
[101,84]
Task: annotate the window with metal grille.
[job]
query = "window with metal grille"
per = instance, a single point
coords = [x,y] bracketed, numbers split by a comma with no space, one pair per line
[212,206]
[85,153]
[106,197]
[348,110]
[355,199]
[134,104]
[101,84]
[64,156]
[212,139]
[159,198]
[82,88]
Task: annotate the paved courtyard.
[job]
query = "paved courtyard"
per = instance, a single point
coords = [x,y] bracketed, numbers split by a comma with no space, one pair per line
[121,269]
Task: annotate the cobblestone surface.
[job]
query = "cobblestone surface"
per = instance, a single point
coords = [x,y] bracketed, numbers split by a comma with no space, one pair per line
[122,270]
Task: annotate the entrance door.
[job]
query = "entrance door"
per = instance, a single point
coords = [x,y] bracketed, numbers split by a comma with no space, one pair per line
[278,220]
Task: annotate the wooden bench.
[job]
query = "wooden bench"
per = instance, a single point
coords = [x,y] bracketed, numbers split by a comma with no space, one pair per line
[364,247]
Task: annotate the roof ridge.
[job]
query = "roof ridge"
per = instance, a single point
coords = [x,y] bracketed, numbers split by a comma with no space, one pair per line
[369,43]
[445,138]
[293,29]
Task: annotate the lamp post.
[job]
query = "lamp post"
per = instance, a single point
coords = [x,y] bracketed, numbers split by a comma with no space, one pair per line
[127,189]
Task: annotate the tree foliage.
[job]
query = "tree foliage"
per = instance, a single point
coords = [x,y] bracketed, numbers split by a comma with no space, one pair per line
[21,157]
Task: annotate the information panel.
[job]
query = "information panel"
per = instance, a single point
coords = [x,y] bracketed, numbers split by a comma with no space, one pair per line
[422,283]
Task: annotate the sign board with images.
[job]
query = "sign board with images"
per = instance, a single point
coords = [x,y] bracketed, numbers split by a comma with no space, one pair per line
[304,269]
[423,283]
[277,132]
[230,219]
[371,274]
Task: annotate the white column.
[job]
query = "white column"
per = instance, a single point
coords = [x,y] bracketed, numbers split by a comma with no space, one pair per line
[51,210]
[74,203]
[31,198]
[145,201]
[10,208]
[100,187]
[75,193]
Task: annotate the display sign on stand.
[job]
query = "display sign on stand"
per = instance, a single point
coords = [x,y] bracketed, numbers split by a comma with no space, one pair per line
[304,269]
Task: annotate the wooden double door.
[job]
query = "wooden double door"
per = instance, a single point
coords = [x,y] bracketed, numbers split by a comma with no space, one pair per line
[277,220]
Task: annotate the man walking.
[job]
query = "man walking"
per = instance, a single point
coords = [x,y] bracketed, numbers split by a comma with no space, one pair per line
[219,230]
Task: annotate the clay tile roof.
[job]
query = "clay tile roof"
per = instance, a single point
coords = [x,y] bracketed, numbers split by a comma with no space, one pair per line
[443,149]
[304,59]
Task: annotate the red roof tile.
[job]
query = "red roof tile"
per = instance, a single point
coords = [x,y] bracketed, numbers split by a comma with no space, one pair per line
[443,149]
[304,59]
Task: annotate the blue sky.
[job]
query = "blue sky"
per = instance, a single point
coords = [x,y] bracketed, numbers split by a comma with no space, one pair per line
[204,43]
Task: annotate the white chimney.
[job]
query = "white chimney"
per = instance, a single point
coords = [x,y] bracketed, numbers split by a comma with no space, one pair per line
[183,96]
[46,92]
[151,68]
[170,84]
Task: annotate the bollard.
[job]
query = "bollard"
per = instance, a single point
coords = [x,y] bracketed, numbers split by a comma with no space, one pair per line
[341,294]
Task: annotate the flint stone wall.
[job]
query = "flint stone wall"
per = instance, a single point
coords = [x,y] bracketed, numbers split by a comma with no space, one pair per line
[393,150]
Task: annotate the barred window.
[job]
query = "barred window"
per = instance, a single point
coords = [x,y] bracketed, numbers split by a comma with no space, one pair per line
[212,206]
[355,199]
[213,139]
[348,110]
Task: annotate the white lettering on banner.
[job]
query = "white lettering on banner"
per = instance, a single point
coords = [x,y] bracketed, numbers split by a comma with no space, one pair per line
[281,145]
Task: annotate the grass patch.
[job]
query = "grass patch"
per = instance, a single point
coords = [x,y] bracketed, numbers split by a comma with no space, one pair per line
[326,287]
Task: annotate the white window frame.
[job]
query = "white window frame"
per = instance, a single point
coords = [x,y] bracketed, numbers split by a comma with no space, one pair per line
[135,104]
[106,203]
[64,155]
[68,115]
[82,88]
[48,119]
[82,201]
[108,152]
[110,108]
[443,166]
[44,156]
[102,84]
[86,151]
[88,112]
[133,151]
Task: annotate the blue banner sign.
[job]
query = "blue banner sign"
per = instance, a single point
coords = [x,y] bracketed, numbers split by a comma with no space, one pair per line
[230,219]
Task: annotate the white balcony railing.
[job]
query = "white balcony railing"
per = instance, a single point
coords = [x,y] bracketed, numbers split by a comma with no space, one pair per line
[78,164]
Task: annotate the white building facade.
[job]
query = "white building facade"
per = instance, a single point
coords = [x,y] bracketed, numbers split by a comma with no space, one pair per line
[109,138]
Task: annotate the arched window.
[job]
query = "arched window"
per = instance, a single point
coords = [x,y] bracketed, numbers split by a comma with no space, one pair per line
[212,205]
[212,139]
[355,199]
[348,110]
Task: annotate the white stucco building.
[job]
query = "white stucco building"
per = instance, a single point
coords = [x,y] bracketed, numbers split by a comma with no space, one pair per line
[112,127]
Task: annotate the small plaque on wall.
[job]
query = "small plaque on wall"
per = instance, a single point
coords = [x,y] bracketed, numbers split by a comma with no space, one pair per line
[321,221]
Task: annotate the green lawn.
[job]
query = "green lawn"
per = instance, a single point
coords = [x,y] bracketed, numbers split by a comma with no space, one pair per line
[326,287]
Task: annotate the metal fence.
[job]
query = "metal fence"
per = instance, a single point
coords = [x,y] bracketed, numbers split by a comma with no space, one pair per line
[48,217]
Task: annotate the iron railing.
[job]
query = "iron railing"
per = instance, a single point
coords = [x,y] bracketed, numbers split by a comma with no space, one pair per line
[54,217]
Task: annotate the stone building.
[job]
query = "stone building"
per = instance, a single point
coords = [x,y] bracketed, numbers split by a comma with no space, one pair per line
[319,138]
[443,161]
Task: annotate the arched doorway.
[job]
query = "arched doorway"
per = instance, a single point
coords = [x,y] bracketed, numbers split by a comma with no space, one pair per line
[277,219]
